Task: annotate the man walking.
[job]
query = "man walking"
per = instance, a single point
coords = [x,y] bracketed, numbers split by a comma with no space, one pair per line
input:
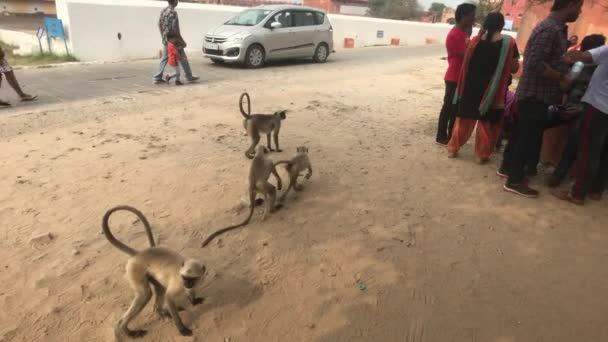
[544,77]
[456,45]
[169,23]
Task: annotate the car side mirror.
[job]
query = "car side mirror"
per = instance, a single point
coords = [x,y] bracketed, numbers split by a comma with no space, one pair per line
[275,25]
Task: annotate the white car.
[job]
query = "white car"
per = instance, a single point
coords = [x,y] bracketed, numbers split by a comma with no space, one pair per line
[265,33]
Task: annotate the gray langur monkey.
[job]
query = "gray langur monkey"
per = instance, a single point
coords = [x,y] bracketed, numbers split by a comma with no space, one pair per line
[261,168]
[294,168]
[166,271]
[257,124]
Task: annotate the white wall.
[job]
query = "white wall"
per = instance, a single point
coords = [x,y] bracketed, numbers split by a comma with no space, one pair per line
[28,43]
[93,25]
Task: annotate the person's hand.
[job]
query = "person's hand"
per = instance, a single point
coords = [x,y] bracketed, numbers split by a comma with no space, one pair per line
[1,53]
[566,83]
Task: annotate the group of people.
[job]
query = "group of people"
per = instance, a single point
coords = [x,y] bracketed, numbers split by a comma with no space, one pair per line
[6,71]
[553,90]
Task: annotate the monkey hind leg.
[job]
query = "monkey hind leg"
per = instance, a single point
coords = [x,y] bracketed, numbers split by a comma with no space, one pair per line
[255,139]
[159,294]
[269,144]
[137,305]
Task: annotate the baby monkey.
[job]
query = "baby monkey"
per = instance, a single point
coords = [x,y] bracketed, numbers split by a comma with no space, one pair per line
[166,271]
[294,168]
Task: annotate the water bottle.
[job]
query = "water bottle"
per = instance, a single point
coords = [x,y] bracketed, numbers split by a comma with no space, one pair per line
[576,70]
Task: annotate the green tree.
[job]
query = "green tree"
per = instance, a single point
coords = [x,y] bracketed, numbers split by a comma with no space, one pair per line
[437,7]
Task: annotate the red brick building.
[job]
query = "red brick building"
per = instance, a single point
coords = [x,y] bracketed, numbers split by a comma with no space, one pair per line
[513,10]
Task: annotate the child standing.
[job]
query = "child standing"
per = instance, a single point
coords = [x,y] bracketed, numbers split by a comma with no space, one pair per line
[174,57]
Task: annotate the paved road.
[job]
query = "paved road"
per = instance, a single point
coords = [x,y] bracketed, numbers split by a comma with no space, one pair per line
[71,83]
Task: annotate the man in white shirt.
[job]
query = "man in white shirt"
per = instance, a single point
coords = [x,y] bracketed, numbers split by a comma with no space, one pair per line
[592,171]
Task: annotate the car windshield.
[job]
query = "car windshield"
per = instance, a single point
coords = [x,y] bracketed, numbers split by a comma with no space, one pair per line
[249,17]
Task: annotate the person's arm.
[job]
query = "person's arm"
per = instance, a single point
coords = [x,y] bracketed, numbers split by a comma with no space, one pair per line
[597,56]
[175,29]
[515,60]
[1,53]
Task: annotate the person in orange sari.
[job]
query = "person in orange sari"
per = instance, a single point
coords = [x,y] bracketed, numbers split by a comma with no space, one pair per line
[490,60]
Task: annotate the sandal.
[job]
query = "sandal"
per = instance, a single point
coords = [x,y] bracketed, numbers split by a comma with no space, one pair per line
[4,104]
[28,98]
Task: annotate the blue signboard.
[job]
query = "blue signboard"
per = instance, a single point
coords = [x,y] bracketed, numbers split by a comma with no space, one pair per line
[54,28]
[380,34]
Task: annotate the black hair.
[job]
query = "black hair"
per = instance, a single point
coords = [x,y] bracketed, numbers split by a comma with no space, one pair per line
[493,23]
[593,41]
[464,10]
[172,2]
[559,5]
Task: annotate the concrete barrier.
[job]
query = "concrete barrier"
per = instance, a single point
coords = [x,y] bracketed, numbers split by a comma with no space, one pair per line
[94,27]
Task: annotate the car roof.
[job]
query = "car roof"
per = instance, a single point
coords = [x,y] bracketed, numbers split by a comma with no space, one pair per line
[285,7]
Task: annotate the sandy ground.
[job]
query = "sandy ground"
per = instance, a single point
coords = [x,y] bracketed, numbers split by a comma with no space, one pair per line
[443,253]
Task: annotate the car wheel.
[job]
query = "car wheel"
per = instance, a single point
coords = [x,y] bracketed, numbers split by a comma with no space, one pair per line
[217,61]
[255,56]
[321,53]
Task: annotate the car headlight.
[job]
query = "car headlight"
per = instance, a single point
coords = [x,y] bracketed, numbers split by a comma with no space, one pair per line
[239,37]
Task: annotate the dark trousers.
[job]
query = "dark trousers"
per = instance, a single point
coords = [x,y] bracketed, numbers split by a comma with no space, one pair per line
[447,116]
[528,138]
[570,152]
[593,154]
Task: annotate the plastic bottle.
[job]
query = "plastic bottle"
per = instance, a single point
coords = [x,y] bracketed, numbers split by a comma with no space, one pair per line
[576,70]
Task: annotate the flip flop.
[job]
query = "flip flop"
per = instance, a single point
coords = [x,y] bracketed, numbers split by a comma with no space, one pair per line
[28,98]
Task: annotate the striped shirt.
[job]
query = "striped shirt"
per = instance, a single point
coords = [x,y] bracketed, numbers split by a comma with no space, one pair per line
[547,44]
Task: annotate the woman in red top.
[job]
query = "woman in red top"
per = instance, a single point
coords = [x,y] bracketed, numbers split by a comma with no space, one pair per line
[456,44]
[173,57]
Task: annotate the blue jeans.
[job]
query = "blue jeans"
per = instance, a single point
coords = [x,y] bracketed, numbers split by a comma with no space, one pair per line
[183,61]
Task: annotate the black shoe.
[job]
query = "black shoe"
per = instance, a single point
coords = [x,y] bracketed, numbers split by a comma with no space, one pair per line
[502,173]
[159,81]
[194,79]
[178,83]
[442,141]
[531,172]
[521,189]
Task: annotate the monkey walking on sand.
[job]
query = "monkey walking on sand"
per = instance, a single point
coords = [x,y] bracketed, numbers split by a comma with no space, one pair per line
[294,168]
[261,168]
[169,274]
[260,123]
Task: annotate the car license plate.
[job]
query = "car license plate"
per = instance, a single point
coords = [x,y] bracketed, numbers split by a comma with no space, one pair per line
[210,46]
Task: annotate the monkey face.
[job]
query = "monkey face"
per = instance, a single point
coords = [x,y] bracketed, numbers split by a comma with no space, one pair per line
[302,149]
[190,282]
[260,150]
[192,272]
[282,114]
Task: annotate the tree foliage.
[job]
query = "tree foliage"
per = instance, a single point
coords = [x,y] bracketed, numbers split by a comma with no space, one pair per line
[437,7]
[395,9]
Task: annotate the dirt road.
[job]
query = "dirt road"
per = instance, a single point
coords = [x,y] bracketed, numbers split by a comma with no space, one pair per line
[389,241]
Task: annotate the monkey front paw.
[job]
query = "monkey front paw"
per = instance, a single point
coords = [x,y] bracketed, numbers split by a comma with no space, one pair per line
[279,150]
[185,331]
[136,333]
[198,300]
[270,149]
[277,207]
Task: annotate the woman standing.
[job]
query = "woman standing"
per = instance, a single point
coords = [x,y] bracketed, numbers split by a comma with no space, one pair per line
[490,60]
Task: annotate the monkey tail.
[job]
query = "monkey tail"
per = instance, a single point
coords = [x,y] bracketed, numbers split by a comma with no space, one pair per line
[229,228]
[106,228]
[247,114]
